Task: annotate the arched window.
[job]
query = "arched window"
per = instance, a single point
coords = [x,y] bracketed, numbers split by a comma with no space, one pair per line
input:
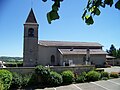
[52,59]
[31,32]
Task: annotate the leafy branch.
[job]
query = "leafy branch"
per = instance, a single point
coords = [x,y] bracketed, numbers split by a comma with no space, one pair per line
[92,9]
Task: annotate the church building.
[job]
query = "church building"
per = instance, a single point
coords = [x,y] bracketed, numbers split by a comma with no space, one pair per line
[63,53]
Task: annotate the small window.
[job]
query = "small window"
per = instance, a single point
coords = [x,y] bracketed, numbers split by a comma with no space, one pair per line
[31,32]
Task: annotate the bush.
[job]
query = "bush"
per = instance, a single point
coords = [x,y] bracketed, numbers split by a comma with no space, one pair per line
[43,74]
[33,80]
[104,74]
[55,79]
[17,80]
[6,78]
[81,78]
[68,77]
[1,85]
[93,76]
[26,79]
[114,75]
[20,80]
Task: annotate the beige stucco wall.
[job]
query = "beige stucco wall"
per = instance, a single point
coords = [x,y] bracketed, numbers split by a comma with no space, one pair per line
[45,53]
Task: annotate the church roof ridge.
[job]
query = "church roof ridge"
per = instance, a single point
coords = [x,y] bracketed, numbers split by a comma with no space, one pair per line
[67,43]
[31,17]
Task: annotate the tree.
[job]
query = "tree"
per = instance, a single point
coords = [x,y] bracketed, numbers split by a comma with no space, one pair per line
[118,53]
[112,51]
[92,8]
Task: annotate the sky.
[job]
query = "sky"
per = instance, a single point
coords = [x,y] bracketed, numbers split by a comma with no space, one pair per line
[70,26]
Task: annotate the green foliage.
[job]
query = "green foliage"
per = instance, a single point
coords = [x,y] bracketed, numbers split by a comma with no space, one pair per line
[33,80]
[108,2]
[1,85]
[53,14]
[17,80]
[14,64]
[113,51]
[93,76]
[92,9]
[104,74]
[114,75]
[20,80]
[117,5]
[80,79]
[6,59]
[26,79]
[43,74]
[6,78]
[55,79]
[48,77]
[89,20]
[68,77]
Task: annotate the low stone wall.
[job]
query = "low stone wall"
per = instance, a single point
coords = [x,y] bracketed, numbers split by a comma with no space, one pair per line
[22,70]
[75,69]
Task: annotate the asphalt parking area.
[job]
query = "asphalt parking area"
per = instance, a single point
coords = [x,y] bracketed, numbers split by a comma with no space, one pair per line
[111,84]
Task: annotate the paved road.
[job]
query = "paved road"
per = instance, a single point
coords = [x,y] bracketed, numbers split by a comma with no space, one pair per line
[111,84]
[112,69]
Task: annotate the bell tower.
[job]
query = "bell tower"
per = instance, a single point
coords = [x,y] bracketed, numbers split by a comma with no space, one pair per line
[30,50]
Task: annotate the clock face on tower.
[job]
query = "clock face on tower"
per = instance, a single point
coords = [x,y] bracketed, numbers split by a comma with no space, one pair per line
[31,32]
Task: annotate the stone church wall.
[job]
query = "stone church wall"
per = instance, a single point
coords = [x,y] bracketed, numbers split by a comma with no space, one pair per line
[98,59]
[45,53]
[79,59]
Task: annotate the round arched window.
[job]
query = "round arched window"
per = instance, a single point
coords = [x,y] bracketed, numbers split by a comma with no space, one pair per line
[31,32]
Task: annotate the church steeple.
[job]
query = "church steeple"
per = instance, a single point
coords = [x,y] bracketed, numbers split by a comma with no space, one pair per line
[31,17]
[30,53]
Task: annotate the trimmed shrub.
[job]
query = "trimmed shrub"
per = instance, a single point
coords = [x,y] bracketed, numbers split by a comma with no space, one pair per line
[93,76]
[43,74]
[81,78]
[17,80]
[6,78]
[68,77]
[104,74]
[114,75]
[55,79]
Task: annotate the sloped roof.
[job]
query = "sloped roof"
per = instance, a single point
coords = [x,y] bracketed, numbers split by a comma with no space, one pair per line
[80,51]
[66,43]
[109,57]
[31,17]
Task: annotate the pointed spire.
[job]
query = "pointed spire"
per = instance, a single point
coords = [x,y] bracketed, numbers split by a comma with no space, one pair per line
[31,17]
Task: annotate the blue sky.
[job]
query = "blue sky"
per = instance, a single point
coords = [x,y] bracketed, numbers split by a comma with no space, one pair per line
[70,26]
